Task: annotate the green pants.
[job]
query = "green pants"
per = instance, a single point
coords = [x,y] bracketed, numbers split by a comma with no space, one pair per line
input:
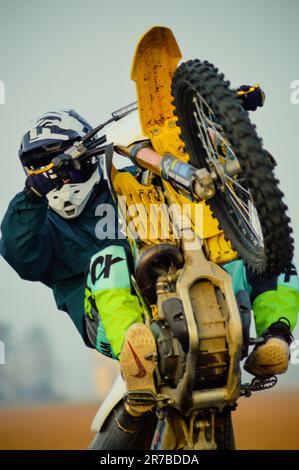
[110,306]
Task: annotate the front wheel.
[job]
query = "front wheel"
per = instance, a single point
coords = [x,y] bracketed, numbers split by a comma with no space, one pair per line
[219,136]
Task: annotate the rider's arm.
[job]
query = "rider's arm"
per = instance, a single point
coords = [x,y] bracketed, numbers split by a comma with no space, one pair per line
[26,243]
[274,297]
[271,297]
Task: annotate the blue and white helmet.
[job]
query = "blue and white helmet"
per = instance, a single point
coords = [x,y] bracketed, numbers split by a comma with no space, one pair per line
[50,134]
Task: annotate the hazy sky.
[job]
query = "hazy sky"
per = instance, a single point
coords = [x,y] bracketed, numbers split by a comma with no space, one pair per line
[76,53]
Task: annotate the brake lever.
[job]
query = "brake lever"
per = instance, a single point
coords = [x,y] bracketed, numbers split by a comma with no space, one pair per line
[69,158]
[61,164]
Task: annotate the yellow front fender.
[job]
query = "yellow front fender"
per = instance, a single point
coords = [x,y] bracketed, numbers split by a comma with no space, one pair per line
[156,57]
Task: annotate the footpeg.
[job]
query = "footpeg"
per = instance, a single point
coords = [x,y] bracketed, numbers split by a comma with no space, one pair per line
[140,398]
[258,384]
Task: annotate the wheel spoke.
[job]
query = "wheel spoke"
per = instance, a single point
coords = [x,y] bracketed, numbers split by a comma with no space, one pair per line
[204,123]
[245,191]
[239,204]
[242,203]
[205,137]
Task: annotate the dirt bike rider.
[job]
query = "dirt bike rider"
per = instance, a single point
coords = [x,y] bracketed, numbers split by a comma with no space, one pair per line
[50,235]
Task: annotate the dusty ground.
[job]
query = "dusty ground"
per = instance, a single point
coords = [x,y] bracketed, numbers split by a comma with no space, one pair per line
[265,421]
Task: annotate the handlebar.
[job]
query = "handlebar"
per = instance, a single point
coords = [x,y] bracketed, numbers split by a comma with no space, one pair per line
[88,147]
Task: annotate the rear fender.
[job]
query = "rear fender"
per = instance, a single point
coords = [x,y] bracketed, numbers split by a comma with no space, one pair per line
[115,395]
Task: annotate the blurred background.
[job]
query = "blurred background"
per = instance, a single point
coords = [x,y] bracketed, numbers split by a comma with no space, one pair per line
[78,54]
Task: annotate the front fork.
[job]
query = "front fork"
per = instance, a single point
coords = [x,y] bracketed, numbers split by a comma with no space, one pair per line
[196,184]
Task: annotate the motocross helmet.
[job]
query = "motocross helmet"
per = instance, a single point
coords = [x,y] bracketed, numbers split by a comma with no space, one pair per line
[48,136]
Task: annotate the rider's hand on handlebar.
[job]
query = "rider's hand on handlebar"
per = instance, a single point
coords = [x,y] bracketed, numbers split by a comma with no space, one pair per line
[39,185]
[252,96]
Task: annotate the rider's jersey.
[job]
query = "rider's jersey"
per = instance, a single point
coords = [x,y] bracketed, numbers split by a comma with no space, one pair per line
[42,246]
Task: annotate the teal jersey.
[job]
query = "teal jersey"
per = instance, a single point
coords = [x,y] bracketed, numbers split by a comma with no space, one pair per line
[42,246]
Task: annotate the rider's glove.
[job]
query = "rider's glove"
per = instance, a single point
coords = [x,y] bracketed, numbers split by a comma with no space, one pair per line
[252,96]
[37,186]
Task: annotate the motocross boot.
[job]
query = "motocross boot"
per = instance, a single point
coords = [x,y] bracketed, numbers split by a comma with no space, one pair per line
[271,357]
[138,360]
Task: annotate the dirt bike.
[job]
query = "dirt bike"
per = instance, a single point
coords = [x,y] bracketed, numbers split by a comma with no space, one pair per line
[195,149]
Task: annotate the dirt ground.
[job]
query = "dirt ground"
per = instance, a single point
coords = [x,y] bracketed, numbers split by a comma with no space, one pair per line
[265,421]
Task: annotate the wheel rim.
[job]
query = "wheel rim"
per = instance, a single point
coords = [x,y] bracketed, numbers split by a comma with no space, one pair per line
[235,194]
